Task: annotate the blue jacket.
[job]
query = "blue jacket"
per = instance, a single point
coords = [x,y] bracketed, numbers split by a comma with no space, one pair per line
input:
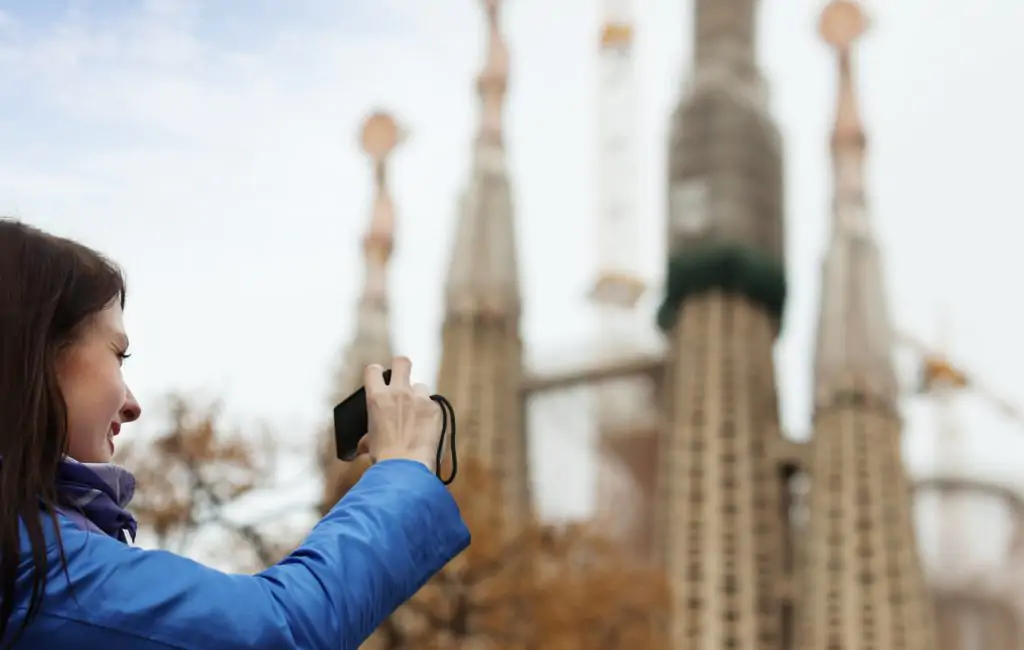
[394,530]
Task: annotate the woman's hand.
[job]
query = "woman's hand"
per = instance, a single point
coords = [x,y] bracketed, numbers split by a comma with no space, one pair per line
[403,421]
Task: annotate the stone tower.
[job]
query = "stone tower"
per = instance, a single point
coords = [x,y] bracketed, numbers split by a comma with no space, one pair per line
[371,341]
[481,358]
[863,586]
[718,513]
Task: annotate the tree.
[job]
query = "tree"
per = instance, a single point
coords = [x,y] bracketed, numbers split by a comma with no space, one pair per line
[543,587]
[191,476]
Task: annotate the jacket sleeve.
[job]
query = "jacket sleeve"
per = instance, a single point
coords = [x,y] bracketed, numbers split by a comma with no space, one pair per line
[393,531]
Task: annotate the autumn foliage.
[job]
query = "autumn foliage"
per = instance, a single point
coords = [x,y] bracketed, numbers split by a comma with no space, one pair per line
[540,588]
[191,475]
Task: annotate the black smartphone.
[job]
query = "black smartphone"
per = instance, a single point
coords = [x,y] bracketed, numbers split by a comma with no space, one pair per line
[351,422]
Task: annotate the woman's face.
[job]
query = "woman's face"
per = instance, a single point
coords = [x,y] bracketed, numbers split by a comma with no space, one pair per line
[98,400]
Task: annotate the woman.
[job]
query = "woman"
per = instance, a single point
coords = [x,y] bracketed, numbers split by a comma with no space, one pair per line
[67,577]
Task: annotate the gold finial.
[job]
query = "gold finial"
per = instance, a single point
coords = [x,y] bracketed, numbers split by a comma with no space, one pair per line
[842,22]
[380,135]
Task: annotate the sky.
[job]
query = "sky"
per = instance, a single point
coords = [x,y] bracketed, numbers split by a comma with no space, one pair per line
[213,152]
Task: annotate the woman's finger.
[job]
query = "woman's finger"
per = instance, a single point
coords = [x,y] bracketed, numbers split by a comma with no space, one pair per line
[364,446]
[373,379]
[401,372]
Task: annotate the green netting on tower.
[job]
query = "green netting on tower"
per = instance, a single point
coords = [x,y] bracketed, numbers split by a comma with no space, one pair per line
[724,267]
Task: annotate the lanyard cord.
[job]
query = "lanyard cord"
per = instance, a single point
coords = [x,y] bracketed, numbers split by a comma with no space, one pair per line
[447,418]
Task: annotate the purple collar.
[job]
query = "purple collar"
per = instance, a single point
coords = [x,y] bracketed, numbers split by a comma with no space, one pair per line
[100,492]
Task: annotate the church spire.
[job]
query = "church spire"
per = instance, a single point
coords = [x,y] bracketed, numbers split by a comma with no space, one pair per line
[481,350]
[848,131]
[371,341]
[380,136]
[854,332]
[863,587]
[483,276]
[492,82]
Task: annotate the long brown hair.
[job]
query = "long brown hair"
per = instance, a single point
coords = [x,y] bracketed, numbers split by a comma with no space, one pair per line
[49,287]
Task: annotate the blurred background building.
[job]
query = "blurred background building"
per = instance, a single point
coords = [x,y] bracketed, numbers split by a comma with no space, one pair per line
[767,541]
[198,145]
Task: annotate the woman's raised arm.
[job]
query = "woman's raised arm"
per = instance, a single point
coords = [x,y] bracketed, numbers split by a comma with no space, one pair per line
[394,530]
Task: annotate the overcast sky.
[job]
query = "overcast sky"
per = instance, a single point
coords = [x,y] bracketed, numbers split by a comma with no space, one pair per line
[211,148]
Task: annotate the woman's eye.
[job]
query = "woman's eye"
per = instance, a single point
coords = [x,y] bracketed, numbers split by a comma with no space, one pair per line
[121,356]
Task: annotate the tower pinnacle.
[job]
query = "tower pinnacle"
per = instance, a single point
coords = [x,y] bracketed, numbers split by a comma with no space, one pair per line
[481,355]
[483,276]
[863,586]
[492,82]
[370,341]
[854,332]
[842,23]
[380,136]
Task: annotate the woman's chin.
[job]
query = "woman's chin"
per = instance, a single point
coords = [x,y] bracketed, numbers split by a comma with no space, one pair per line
[104,455]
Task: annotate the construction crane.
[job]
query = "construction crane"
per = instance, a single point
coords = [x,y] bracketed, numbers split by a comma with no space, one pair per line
[938,370]
[979,603]
[940,380]
[618,286]
[637,359]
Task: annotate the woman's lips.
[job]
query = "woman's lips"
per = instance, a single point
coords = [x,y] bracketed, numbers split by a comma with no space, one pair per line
[115,428]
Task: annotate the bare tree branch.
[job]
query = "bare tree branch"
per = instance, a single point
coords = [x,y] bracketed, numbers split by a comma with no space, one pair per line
[190,474]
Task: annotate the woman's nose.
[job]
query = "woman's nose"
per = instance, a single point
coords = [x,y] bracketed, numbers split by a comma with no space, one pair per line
[131,411]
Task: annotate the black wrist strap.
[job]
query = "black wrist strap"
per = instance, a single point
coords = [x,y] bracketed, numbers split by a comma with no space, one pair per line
[447,424]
